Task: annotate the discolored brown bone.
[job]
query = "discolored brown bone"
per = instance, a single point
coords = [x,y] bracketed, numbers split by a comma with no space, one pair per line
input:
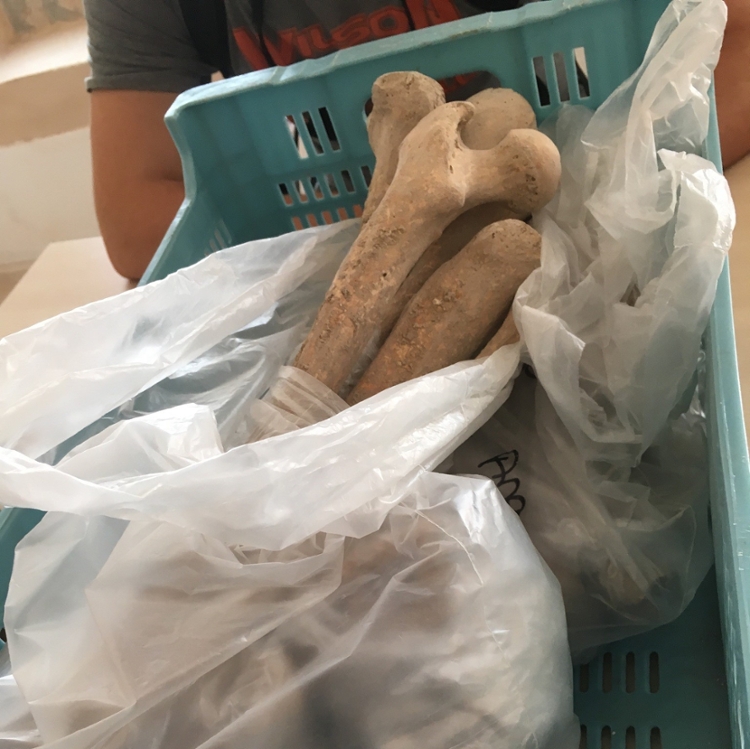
[454,239]
[457,310]
[438,178]
[399,102]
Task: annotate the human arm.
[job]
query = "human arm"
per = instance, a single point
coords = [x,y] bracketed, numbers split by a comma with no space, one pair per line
[142,56]
[137,175]
[733,84]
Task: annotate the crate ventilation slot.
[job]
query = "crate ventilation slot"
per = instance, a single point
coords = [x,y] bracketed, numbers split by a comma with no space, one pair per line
[607,673]
[313,132]
[327,186]
[348,183]
[220,240]
[630,738]
[583,678]
[326,217]
[607,734]
[582,71]
[331,134]
[562,77]
[654,677]
[301,195]
[630,673]
[610,680]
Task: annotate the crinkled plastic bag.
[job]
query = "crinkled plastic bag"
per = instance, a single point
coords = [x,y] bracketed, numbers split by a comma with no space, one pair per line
[294,400]
[442,629]
[628,550]
[609,448]
[17,727]
[633,246]
[320,588]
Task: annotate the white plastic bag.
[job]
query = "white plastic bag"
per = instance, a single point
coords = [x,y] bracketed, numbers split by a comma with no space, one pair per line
[294,400]
[206,597]
[333,642]
[213,334]
[629,550]
[17,728]
[609,447]
[633,246]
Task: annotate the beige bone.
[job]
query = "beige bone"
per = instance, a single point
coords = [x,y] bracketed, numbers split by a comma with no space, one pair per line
[437,179]
[399,102]
[454,239]
[457,310]
[505,336]
[498,111]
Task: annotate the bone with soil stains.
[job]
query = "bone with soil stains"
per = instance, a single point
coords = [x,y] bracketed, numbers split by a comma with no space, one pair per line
[399,101]
[498,111]
[457,310]
[438,178]
[453,239]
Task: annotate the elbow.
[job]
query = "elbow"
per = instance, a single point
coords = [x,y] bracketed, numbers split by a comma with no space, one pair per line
[130,251]
[134,225]
[125,265]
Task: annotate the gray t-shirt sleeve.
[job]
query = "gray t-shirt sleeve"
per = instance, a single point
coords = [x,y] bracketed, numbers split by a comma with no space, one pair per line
[141,45]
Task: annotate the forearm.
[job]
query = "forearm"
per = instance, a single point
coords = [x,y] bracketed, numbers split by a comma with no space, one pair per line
[733,84]
[133,222]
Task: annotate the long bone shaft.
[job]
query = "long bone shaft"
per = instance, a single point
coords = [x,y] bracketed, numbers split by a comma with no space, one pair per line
[438,177]
[457,310]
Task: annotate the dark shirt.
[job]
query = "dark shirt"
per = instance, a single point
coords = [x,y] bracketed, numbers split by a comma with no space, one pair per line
[145,45]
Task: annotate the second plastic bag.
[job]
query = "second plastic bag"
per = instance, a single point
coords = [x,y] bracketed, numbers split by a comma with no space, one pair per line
[608,449]
[442,629]
[629,549]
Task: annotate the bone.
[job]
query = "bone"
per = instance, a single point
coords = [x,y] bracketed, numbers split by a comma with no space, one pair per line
[453,239]
[507,335]
[399,102]
[498,111]
[437,179]
[457,310]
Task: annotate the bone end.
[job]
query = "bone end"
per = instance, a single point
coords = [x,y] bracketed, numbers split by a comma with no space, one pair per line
[399,101]
[408,89]
[537,167]
[498,111]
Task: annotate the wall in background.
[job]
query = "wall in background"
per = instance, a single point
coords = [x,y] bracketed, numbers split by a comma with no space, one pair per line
[42,85]
[32,16]
[46,195]
[46,190]
[7,34]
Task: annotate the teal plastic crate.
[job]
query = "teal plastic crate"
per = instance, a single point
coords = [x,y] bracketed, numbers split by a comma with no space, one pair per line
[246,179]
